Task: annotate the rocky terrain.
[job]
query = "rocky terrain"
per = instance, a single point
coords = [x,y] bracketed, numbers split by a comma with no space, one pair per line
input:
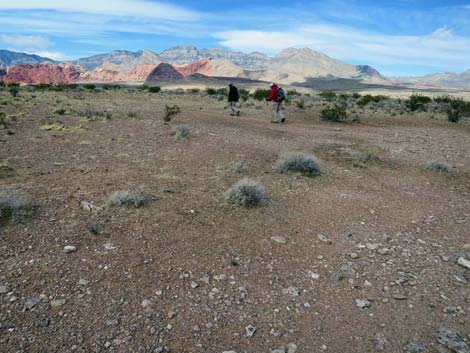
[372,255]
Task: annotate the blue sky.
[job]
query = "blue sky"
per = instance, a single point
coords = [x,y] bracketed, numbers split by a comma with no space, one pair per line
[401,37]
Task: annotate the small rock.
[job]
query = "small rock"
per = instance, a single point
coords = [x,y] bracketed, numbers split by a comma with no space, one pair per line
[353,255]
[362,303]
[146,303]
[451,340]
[171,314]
[196,328]
[291,348]
[279,239]
[107,344]
[30,303]
[194,285]
[399,296]
[58,302]
[3,290]
[279,350]
[371,246]
[250,330]
[229,352]
[322,238]
[69,249]
[292,291]
[83,282]
[383,251]
[466,246]
[414,347]
[313,275]
[159,292]
[464,262]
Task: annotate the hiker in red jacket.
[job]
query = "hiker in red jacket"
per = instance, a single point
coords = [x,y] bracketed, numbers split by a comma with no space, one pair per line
[276,96]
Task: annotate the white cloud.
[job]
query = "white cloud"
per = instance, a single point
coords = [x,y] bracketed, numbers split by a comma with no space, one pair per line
[24,41]
[126,8]
[57,56]
[441,48]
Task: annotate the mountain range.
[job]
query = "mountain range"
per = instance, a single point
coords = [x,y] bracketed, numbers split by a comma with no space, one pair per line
[295,66]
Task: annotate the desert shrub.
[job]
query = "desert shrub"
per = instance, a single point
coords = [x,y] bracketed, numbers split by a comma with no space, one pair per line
[155,89]
[344,96]
[143,87]
[91,115]
[328,96]
[211,91]
[170,111]
[128,198]
[181,132]
[132,114]
[244,94]
[443,99]
[14,90]
[300,104]
[356,95]
[15,206]
[260,94]
[453,115]
[368,98]
[293,92]
[298,162]
[245,193]
[89,86]
[194,90]
[111,87]
[438,167]
[240,167]
[2,84]
[417,102]
[42,86]
[60,111]
[335,114]
[222,91]
[3,121]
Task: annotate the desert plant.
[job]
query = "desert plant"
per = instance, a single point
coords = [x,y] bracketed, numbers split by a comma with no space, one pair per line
[335,114]
[300,104]
[194,90]
[3,121]
[261,94]
[15,206]
[14,90]
[438,167]
[128,198]
[328,96]
[417,102]
[293,92]
[453,115]
[89,86]
[298,162]
[143,87]
[155,89]
[244,94]
[245,193]
[181,132]
[364,100]
[170,111]
[60,111]
[132,114]
[211,91]
[240,167]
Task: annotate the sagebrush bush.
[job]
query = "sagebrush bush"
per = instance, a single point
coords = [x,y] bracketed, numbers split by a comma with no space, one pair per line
[14,90]
[89,86]
[364,100]
[170,111]
[417,102]
[335,114]
[211,91]
[328,96]
[298,162]
[245,193]
[261,94]
[181,131]
[128,198]
[15,206]
[155,89]
[438,167]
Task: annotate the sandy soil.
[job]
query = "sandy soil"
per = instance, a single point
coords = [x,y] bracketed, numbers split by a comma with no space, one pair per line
[186,273]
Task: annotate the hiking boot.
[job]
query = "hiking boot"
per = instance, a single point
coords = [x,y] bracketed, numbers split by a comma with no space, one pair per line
[238,113]
[283,120]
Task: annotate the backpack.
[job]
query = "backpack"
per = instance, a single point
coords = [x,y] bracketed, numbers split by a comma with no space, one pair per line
[280,94]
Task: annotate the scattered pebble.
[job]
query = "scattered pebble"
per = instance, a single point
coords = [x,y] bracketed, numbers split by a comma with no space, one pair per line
[69,249]
[362,303]
[353,255]
[279,239]
[58,302]
[250,330]
[464,262]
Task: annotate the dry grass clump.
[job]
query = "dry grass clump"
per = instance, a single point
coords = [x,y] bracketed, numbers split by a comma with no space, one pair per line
[128,198]
[181,132]
[15,206]
[298,162]
[438,167]
[245,193]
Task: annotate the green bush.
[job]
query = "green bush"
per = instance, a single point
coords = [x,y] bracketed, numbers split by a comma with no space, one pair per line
[364,100]
[89,86]
[14,90]
[438,167]
[300,104]
[335,114]
[143,87]
[155,89]
[245,193]
[328,96]
[15,206]
[211,91]
[293,92]
[170,111]
[261,94]
[244,94]
[417,102]
[194,90]
[298,162]
[181,132]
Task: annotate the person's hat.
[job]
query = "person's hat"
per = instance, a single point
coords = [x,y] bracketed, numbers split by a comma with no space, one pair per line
[271,84]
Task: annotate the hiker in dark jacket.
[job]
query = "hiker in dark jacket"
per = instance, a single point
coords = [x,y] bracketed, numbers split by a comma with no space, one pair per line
[233,98]
[278,115]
